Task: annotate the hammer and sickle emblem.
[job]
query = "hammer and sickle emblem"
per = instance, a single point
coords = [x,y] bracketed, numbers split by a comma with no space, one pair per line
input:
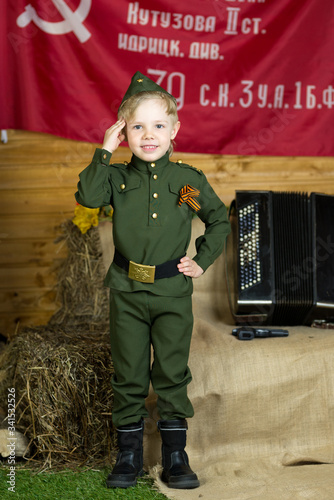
[73,21]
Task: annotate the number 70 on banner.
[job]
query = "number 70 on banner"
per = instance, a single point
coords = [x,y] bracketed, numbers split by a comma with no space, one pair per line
[174,79]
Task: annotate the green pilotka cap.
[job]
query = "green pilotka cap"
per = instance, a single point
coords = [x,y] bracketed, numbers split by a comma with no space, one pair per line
[141,83]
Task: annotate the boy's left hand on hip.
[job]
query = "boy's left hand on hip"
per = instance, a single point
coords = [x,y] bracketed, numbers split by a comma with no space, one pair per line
[190,268]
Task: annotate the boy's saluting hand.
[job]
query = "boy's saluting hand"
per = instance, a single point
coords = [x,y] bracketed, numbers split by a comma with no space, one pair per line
[114,136]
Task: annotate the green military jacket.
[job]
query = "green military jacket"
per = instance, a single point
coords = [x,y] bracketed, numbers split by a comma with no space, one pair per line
[149,226]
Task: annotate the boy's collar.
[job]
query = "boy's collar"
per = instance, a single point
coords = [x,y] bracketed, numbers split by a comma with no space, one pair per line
[148,165]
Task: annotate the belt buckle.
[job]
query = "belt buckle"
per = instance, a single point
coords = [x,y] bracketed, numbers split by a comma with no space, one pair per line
[140,272]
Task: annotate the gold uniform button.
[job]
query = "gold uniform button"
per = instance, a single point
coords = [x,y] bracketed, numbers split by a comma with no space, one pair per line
[155,177]
[122,186]
[155,195]
[152,165]
[104,156]
[154,216]
[179,161]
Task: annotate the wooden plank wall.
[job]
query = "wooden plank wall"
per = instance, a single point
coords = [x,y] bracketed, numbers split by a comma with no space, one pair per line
[38,176]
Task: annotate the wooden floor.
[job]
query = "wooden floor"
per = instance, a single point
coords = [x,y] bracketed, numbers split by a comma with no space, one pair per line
[38,177]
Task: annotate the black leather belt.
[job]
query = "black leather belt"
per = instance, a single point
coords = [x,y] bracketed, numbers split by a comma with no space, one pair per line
[144,273]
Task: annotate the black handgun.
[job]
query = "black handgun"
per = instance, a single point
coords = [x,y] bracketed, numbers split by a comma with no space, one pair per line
[249,333]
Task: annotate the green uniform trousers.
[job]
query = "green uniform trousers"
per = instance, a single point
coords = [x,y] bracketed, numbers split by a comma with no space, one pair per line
[139,320]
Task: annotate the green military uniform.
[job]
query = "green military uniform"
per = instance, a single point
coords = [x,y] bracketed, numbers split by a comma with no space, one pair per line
[152,217]
[150,228]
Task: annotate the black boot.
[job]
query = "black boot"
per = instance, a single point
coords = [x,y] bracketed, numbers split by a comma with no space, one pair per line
[176,471]
[129,462]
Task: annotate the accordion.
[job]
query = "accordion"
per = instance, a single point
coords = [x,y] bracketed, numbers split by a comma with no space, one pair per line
[280,258]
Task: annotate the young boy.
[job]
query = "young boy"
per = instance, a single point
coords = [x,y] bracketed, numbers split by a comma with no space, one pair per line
[150,278]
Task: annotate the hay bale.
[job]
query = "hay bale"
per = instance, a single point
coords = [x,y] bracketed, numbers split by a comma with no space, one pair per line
[62,371]
[63,389]
[83,298]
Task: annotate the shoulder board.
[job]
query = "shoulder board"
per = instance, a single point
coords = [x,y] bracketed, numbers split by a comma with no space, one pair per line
[185,165]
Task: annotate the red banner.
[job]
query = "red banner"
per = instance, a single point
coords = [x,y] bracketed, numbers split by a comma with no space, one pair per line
[251,77]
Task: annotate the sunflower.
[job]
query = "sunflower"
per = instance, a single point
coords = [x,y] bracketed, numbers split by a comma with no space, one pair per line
[85,218]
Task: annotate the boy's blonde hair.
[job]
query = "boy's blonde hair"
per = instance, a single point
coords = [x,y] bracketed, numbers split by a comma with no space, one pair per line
[128,108]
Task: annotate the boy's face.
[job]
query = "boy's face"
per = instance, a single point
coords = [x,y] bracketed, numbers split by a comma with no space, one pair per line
[150,130]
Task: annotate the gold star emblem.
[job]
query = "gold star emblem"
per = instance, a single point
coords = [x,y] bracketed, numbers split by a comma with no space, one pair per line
[140,80]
